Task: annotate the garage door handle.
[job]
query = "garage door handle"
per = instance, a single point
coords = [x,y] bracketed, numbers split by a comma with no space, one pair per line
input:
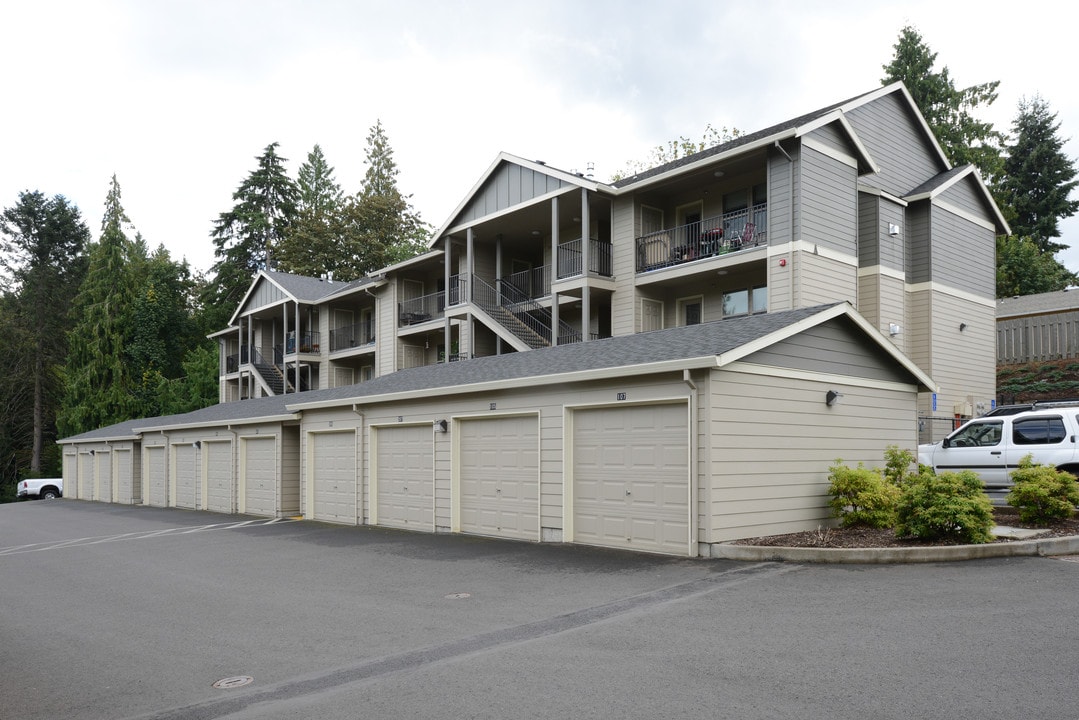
[995,452]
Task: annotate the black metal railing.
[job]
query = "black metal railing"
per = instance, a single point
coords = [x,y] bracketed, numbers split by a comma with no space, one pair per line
[359,334]
[306,342]
[421,309]
[527,284]
[571,264]
[710,237]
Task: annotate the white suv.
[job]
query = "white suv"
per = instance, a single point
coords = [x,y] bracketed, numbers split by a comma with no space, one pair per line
[994,446]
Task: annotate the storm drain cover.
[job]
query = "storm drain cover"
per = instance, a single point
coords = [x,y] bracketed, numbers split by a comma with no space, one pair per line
[233,682]
[458,596]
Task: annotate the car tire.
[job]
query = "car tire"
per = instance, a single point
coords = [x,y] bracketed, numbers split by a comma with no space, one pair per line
[49,494]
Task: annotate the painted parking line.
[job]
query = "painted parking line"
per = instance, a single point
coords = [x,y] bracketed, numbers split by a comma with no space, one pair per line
[81,542]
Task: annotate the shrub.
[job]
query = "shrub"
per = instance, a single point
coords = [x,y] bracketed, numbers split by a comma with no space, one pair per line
[861,496]
[949,506]
[1042,493]
[897,465]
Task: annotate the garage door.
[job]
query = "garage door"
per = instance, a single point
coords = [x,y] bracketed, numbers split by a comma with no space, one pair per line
[499,477]
[333,476]
[631,478]
[218,476]
[155,477]
[103,476]
[259,463]
[86,477]
[405,477]
[186,479]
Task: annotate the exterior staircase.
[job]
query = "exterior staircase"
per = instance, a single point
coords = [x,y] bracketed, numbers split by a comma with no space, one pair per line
[527,320]
[271,375]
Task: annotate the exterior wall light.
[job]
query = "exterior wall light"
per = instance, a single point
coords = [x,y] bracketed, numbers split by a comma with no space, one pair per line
[441,426]
[832,398]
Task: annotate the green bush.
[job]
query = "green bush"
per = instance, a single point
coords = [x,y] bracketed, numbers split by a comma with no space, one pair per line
[949,506]
[861,496]
[1042,493]
[897,465]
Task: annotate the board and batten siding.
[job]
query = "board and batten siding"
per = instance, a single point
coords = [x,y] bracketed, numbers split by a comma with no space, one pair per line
[773,440]
[896,141]
[508,185]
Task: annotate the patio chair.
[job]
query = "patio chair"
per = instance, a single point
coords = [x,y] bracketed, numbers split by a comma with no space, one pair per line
[746,239]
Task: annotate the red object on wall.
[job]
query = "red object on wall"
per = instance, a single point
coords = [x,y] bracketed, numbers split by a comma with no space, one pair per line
[782,262]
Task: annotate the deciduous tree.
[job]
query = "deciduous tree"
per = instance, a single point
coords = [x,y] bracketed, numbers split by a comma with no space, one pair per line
[675,149]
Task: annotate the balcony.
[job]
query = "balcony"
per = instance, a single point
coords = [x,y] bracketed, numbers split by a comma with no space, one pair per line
[527,284]
[421,309]
[351,336]
[711,237]
[570,263]
[306,342]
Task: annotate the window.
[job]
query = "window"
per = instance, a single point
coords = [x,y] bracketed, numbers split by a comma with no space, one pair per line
[651,220]
[1039,431]
[984,434]
[758,299]
[691,310]
[736,303]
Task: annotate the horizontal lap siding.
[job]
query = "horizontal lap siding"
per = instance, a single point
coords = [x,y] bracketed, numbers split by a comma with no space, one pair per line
[834,347]
[829,202]
[624,305]
[895,140]
[963,361]
[825,280]
[964,254]
[774,439]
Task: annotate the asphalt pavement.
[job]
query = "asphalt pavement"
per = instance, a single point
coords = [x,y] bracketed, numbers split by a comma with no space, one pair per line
[115,612]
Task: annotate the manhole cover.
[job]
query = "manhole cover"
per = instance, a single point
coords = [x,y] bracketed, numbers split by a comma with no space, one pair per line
[233,682]
[458,596]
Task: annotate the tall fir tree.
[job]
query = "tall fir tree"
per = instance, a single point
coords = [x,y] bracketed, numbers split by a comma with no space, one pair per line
[246,237]
[312,244]
[98,388]
[1038,177]
[380,227]
[948,110]
[44,262]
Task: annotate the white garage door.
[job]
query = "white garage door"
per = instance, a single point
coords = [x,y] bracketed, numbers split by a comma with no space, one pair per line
[260,475]
[186,479]
[333,476]
[405,477]
[218,476]
[500,477]
[103,476]
[631,478]
[86,477]
[155,477]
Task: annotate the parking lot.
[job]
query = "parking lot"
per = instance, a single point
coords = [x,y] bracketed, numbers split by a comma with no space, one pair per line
[109,611]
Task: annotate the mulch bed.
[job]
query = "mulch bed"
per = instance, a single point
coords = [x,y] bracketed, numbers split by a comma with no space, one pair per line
[859,537]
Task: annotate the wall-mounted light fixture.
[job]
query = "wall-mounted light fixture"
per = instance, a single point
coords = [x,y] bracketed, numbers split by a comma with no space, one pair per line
[441,426]
[197,444]
[832,398]
[893,229]
[93,452]
[894,329]
[962,327]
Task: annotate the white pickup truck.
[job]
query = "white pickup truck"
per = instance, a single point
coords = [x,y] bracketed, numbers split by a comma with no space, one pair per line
[993,446]
[46,488]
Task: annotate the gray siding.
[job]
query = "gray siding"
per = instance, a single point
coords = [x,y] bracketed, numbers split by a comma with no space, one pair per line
[833,347]
[964,254]
[783,187]
[967,195]
[919,243]
[509,185]
[869,224]
[265,294]
[896,143]
[829,202]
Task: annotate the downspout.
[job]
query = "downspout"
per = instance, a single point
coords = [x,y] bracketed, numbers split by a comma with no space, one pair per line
[694,474]
[790,206]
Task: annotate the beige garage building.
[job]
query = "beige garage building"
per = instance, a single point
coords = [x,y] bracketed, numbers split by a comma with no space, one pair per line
[666,442]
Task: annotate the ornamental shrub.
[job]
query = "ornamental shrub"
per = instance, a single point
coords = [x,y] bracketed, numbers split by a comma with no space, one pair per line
[861,496]
[897,465]
[1042,493]
[949,506]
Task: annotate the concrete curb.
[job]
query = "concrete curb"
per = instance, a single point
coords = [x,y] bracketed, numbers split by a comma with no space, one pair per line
[879,556]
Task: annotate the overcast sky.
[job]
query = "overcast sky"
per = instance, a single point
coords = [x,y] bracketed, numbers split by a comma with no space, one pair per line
[178,99]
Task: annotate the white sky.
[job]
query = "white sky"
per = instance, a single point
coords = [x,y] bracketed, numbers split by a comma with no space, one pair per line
[179,98]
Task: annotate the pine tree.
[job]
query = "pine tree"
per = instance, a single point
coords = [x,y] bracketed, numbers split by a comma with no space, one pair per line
[380,225]
[44,241]
[948,110]
[98,389]
[246,237]
[312,245]
[1038,177]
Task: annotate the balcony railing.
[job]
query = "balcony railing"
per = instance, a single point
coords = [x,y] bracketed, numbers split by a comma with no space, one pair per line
[570,263]
[421,309]
[359,334]
[527,284]
[307,342]
[710,237]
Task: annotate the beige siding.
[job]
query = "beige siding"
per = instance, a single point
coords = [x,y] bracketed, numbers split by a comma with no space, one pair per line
[289,487]
[963,361]
[774,439]
[624,305]
[824,280]
[780,289]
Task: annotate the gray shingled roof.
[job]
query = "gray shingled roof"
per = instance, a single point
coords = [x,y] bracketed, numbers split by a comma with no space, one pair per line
[939,180]
[681,343]
[737,142]
[311,289]
[1039,304]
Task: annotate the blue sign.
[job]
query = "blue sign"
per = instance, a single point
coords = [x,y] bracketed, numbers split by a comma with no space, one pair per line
[934,402]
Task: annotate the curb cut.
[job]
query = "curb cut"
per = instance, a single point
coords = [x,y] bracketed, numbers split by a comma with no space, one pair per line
[881,556]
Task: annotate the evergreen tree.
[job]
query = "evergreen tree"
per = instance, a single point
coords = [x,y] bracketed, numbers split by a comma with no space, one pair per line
[312,245]
[99,385]
[948,110]
[246,237]
[380,225]
[1038,177]
[43,258]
